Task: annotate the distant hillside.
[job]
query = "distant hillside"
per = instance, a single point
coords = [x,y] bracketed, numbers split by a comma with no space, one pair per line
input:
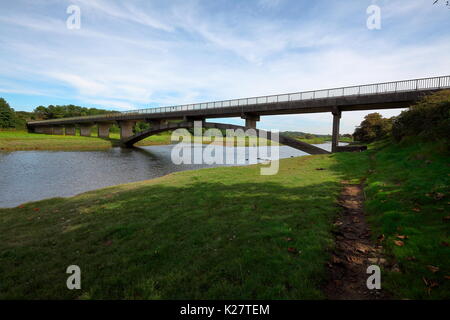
[315,138]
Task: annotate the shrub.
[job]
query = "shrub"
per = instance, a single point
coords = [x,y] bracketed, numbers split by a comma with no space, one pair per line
[7,117]
[429,118]
[374,127]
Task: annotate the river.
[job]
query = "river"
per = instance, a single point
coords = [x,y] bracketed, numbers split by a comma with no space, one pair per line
[35,175]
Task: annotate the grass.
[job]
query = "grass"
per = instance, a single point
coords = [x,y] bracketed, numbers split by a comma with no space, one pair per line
[11,140]
[22,140]
[207,234]
[407,191]
[225,233]
[320,140]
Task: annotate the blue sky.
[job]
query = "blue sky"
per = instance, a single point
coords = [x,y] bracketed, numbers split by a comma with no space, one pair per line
[137,54]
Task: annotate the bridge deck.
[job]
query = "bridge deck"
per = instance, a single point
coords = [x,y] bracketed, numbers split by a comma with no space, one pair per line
[398,94]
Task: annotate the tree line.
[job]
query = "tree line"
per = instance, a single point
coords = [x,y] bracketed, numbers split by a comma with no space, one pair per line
[428,119]
[9,118]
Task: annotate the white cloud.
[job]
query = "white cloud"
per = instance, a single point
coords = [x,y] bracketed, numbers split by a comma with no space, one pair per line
[131,56]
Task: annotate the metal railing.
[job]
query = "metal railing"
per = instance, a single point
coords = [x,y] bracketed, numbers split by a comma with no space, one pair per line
[433,83]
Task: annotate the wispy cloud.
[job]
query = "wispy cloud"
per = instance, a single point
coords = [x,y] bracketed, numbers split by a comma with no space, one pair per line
[135,54]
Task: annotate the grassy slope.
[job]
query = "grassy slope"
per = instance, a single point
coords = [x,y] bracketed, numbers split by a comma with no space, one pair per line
[221,233]
[213,233]
[21,140]
[408,194]
[319,140]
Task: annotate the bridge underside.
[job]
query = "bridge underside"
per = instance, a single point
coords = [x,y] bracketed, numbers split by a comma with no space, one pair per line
[305,147]
[398,94]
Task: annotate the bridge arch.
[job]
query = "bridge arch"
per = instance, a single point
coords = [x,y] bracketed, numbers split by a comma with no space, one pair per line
[296,144]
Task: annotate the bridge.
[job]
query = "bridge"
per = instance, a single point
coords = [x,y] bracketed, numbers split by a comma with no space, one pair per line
[386,95]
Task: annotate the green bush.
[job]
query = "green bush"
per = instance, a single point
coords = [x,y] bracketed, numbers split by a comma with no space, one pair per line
[374,127]
[429,118]
[7,116]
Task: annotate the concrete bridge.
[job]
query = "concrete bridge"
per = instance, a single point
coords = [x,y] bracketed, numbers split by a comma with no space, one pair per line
[387,95]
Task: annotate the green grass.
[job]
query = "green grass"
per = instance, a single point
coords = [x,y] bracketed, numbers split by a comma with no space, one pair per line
[407,194]
[320,140]
[207,234]
[315,140]
[223,233]
[11,140]
[22,140]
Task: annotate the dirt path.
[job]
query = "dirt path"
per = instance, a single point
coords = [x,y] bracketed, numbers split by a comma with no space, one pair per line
[354,250]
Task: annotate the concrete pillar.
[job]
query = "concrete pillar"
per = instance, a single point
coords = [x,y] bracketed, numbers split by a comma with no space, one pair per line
[250,123]
[70,130]
[126,129]
[103,129]
[250,120]
[335,137]
[58,130]
[85,130]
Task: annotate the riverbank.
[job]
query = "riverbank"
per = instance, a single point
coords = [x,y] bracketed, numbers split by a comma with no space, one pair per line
[231,233]
[22,140]
[11,140]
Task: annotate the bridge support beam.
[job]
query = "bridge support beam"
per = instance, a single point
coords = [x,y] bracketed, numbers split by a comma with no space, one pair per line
[250,120]
[335,137]
[103,129]
[85,130]
[58,130]
[70,130]
[126,129]
[193,119]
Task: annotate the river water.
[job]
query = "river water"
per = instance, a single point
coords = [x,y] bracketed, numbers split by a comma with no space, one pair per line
[35,175]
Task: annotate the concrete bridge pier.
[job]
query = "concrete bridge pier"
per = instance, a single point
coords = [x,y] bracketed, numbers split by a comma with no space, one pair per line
[59,130]
[126,128]
[250,120]
[85,130]
[103,129]
[70,130]
[335,137]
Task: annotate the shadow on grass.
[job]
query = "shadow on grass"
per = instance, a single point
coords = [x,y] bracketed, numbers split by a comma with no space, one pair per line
[199,240]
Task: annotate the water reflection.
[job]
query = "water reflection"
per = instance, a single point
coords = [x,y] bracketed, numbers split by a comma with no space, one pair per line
[34,175]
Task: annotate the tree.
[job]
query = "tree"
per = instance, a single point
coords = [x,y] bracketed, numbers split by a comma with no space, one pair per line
[374,127]
[7,117]
[57,112]
[429,119]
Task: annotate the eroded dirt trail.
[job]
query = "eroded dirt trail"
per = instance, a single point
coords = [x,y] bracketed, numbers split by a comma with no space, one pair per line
[354,250]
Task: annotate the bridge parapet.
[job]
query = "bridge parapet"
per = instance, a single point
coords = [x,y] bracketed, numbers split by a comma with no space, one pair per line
[238,106]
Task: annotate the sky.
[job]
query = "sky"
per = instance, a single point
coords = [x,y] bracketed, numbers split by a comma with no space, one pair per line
[139,54]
